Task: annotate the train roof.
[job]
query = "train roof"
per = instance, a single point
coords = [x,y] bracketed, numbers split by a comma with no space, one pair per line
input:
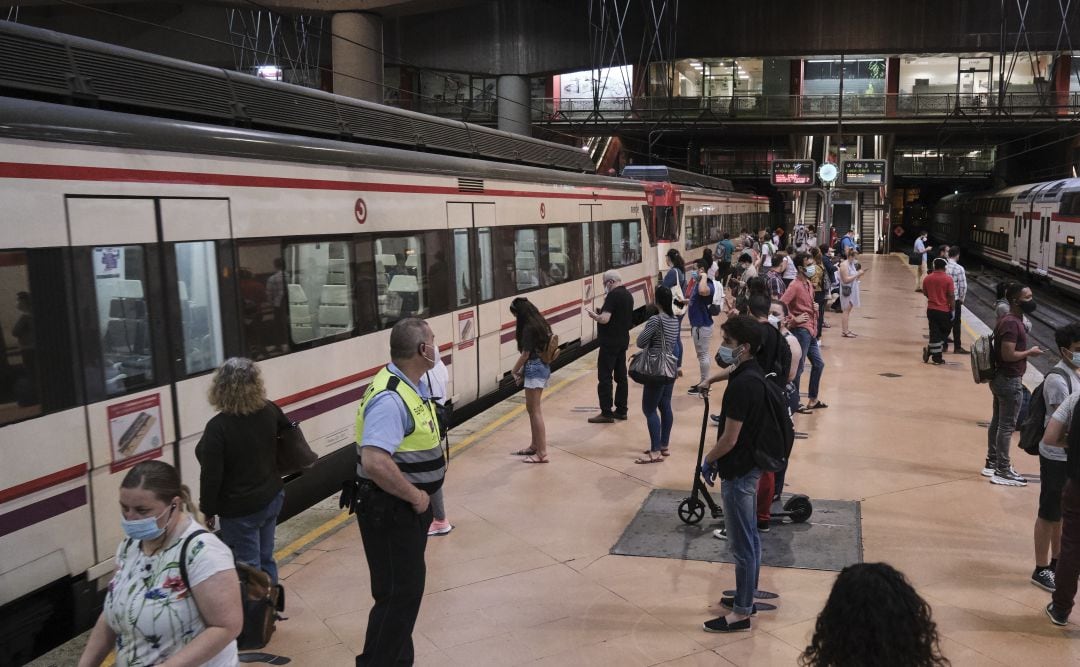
[42,64]
[44,121]
[666,174]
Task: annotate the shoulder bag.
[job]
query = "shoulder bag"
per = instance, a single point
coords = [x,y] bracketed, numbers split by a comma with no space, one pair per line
[293,453]
[654,365]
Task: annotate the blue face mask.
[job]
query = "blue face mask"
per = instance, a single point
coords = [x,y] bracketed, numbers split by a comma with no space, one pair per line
[810,271]
[145,529]
[1076,359]
[725,355]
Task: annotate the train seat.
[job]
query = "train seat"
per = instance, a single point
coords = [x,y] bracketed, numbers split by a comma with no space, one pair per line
[335,315]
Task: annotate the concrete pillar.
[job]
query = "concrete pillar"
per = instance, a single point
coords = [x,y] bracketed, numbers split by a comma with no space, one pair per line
[358,71]
[514,102]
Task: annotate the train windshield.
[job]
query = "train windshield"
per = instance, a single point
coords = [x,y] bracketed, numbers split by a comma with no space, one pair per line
[667,222]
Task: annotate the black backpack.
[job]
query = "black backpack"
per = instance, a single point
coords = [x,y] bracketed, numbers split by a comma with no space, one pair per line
[261,600]
[1032,428]
[777,435]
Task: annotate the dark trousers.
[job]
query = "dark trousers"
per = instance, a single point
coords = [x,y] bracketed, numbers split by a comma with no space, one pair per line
[1068,565]
[940,322]
[957,310]
[394,546]
[611,366]
[820,297]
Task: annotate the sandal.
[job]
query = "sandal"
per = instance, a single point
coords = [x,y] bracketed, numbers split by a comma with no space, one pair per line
[524,452]
[535,458]
[816,406]
[649,460]
[848,334]
[664,451]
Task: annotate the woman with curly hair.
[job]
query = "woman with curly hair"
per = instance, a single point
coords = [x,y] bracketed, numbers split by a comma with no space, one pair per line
[874,617]
[239,481]
[532,335]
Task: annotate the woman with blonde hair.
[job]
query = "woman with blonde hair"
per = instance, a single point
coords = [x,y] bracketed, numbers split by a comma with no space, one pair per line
[238,453]
[150,616]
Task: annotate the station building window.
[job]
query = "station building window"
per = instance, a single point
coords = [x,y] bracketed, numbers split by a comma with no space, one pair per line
[862,76]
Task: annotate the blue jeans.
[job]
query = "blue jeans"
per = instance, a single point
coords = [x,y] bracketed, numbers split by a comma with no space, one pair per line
[678,345]
[251,537]
[739,498]
[656,404]
[810,349]
[1008,393]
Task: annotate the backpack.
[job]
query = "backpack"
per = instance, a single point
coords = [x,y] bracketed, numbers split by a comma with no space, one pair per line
[261,600]
[551,350]
[774,441]
[1031,430]
[775,284]
[983,363]
[717,305]
[801,235]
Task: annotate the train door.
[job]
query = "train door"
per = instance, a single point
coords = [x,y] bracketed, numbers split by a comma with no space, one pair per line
[589,292]
[1042,253]
[149,320]
[1020,213]
[465,367]
[477,336]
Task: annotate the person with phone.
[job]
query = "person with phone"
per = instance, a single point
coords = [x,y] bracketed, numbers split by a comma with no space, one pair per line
[613,324]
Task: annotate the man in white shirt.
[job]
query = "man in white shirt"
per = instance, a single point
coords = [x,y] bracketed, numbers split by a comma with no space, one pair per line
[920,248]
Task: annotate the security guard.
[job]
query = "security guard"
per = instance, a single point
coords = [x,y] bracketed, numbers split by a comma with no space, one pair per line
[400,463]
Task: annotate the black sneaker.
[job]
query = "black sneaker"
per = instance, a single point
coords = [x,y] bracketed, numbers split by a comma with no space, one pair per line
[1043,577]
[715,419]
[602,419]
[621,416]
[720,624]
[938,362]
[762,526]
[693,391]
[925,354]
[1056,617]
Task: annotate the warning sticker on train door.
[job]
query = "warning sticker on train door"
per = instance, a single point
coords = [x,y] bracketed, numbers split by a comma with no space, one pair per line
[466,324]
[135,431]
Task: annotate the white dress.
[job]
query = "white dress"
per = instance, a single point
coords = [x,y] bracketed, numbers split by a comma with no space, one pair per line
[150,609]
[853,298]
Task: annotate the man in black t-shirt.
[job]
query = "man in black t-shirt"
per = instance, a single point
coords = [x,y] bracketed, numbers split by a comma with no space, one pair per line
[742,416]
[614,321]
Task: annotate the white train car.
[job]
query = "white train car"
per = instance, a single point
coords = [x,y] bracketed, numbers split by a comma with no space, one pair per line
[137,253]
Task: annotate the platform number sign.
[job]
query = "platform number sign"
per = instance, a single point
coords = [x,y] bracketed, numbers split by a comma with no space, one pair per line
[863,172]
[793,173]
[360,211]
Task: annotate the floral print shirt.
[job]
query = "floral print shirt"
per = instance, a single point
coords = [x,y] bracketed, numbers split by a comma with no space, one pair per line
[149,607]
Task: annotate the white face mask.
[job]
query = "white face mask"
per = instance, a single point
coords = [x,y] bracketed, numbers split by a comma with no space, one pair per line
[774,320]
[432,359]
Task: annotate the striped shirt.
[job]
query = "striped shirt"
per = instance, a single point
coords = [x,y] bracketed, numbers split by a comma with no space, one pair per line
[959,279]
[650,336]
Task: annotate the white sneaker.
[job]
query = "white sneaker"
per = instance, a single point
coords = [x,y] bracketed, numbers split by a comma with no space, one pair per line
[439,528]
[988,471]
[720,533]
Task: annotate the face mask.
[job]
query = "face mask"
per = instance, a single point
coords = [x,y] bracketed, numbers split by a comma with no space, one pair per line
[145,529]
[811,271]
[430,360]
[774,320]
[693,275]
[1076,359]
[725,355]
[1028,306]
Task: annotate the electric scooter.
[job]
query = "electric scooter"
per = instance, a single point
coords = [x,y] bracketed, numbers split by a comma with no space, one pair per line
[692,509]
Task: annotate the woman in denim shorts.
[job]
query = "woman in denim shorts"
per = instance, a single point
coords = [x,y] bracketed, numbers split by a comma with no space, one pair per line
[532,336]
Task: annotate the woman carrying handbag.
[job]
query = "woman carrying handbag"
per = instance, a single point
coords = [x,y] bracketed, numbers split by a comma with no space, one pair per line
[654,367]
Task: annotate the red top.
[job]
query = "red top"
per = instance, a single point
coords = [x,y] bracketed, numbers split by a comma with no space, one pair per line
[938,287]
[799,297]
[1010,328]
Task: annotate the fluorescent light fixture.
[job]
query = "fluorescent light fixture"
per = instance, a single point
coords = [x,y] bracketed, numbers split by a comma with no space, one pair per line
[272,72]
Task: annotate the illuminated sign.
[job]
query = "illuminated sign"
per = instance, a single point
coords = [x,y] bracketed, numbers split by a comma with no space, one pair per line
[863,172]
[793,173]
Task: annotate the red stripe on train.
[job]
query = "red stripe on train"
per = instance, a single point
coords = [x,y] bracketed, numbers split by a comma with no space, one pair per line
[26,488]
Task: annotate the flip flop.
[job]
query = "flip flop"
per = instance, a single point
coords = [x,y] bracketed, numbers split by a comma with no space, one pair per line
[533,458]
[524,452]
[647,461]
[816,406]
[848,334]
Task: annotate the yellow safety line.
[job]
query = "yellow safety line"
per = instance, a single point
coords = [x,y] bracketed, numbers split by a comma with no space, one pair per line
[309,537]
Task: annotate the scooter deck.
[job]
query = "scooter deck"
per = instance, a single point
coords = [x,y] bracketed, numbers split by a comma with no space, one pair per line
[758,595]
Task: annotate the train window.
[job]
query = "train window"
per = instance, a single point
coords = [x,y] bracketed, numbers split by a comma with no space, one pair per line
[367,286]
[124,325]
[20,381]
[462,264]
[486,274]
[1070,203]
[586,247]
[413,274]
[650,231]
[691,232]
[1066,256]
[200,311]
[262,300]
[558,256]
[624,243]
[667,223]
[311,290]
[526,259]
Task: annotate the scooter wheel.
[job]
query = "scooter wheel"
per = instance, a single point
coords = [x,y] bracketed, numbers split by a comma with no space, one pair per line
[691,511]
[799,508]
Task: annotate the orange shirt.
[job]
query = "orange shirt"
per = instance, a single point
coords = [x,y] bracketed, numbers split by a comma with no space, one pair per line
[938,287]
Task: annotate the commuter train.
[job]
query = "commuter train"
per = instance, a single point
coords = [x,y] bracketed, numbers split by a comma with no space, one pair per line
[1029,228]
[137,253]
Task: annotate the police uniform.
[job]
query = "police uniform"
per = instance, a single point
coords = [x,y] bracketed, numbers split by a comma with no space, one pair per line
[399,418]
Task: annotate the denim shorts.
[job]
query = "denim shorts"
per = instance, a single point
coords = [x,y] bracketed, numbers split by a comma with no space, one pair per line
[536,374]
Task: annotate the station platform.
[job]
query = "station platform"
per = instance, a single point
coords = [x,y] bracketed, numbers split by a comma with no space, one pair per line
[527,577]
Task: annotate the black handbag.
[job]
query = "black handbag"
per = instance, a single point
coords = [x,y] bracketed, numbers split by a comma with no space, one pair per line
[294,454]
[653,365]
[845,290]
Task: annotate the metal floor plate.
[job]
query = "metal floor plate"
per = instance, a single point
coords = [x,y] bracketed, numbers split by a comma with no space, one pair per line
[830,540]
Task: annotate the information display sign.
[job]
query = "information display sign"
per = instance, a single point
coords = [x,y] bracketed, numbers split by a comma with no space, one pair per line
[793,173]
[863,172]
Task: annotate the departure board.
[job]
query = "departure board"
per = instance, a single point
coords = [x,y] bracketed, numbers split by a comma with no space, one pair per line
[793,173]
[863,172]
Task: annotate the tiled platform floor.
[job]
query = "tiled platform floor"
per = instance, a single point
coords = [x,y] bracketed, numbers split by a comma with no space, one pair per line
[526,578]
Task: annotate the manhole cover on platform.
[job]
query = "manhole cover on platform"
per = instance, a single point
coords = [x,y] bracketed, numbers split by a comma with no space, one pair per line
[890,375]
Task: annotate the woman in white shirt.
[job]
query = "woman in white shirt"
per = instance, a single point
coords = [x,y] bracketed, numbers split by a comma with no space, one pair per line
[150,616]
